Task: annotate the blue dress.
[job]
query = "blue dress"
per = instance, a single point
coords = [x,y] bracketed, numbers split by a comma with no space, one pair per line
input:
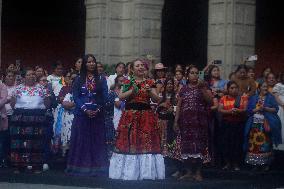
[259,139]
[88,149]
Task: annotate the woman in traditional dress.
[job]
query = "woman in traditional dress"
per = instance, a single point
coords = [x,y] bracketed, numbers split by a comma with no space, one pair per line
[180,81]
[278,92]
[170,140]
[218,88]
[270,81]
[263,128]
[119,105]
[264,74]
[166,117]
[88,150]
[137,154]
[66,99]
[191,119]
[56,81]
[28,124]
[4,131]
[246,85]
[119,70]
[10,84]
[113,111]
[232,107]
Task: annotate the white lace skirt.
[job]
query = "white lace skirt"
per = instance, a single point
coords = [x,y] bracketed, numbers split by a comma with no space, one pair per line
[137,167]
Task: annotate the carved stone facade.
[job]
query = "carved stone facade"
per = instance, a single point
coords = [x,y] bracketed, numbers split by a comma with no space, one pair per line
[121,30]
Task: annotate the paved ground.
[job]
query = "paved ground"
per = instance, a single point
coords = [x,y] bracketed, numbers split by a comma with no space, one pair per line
[35,186]
[214,179]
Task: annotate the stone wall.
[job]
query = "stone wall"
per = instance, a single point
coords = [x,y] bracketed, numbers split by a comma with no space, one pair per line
[121,30]
[231,32]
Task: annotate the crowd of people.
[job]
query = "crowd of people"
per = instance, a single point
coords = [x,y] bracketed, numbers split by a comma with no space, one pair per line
[125,125]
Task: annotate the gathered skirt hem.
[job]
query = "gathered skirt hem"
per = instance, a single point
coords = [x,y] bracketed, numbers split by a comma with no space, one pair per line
[137,167]
[259,159]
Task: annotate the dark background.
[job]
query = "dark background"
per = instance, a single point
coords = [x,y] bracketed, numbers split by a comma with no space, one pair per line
[270,35]
[184,32]
[42,32]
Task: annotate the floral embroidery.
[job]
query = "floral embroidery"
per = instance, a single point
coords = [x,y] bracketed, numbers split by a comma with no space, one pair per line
[36,90]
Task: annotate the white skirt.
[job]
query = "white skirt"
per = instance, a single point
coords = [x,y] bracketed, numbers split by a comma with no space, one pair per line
[137,167]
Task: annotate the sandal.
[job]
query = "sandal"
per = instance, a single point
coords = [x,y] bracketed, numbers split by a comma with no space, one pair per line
[37,172]
[226,167]
[198,178]
[186,177]
[176,174]
[16,171]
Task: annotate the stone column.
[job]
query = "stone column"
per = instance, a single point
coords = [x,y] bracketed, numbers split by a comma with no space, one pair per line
[231,32]
[121,30]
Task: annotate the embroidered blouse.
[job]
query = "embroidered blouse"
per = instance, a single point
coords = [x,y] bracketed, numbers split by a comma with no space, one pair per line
[30,97]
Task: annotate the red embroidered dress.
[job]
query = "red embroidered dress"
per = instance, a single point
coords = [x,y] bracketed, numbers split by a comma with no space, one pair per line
[138,132]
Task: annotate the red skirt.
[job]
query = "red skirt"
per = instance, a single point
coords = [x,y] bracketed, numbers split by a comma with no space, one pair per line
[138,133]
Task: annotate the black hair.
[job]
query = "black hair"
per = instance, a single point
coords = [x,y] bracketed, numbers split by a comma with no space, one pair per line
[281,77]
[241,66]
[115,82]
[230,83]
[118,64]
[173,94]
[83,72]
[265,68]
[189,68]
[266,77]
[24,72]
[181,71]
[182,67]
[250,68]
[208,76]
[56,64]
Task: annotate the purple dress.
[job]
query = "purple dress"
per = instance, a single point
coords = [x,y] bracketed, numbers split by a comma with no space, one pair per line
[194,124]
[88,149]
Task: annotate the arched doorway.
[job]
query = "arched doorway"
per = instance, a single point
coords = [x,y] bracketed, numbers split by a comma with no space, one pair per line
[41,32]
[184,32]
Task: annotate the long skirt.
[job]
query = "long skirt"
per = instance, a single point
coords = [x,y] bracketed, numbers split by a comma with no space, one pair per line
[170,140]
[137,154]
[260,146]
[67,119]
[233,141]
[27,137]
[88,150]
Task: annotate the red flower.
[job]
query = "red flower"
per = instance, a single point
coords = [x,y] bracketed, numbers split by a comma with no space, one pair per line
[127,81]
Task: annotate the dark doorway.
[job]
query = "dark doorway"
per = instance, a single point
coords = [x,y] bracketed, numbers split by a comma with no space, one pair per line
[270,35]
[42,32]
[184,32]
